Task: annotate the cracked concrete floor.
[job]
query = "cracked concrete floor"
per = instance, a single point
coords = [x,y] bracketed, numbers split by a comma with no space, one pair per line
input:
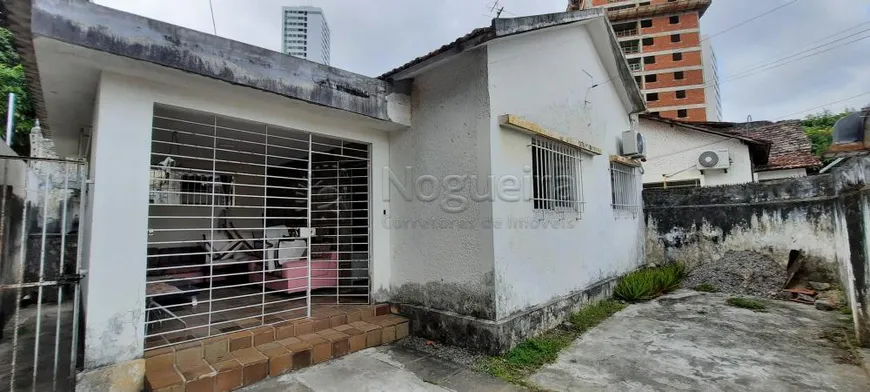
[390,369]
[693,341]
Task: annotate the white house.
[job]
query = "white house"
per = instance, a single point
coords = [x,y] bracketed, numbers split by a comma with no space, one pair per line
[676,153]
[477,188]
[719,153]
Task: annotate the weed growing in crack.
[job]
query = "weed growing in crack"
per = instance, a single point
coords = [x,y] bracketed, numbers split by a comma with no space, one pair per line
[746,303]
[706,288]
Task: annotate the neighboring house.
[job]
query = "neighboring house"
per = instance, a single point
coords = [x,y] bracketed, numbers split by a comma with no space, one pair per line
[791,151]
[474,187]
[675,148]
[755,151]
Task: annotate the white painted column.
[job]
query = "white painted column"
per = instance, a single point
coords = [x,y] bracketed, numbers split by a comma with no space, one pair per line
[115,300]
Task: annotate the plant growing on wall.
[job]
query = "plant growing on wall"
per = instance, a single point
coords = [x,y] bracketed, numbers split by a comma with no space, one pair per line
[12,80]
[820,129]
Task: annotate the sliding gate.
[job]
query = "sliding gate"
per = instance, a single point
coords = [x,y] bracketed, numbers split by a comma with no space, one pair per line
[250,225]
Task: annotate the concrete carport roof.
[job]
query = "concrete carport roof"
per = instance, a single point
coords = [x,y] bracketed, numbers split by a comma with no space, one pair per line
[66,45]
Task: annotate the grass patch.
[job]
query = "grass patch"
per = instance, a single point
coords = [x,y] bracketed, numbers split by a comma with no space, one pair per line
[649,283]
[706,288]
[593,315]
[530,355]
[845,309]
[746,303]
[841,336]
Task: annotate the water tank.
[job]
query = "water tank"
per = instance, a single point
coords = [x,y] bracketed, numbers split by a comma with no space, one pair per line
[850,129]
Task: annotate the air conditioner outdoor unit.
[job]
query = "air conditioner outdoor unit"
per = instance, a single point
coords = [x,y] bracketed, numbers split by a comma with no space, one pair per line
[714,160]
[633,144]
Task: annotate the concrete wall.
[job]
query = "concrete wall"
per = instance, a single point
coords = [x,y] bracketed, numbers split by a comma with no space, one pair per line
[826,217]
[118,216]
[442,255]
[672,149]
[539,78]
[780,174]
[854,239]
[13,173]
[775,218]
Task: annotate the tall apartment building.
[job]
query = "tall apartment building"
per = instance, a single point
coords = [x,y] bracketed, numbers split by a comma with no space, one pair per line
[306,33]
[674,67]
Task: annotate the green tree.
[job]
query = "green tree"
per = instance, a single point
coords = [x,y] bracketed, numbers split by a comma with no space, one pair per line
[12,80]
[820,129]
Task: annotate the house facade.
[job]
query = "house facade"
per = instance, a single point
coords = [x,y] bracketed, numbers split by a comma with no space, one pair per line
[513,260]
[233,189]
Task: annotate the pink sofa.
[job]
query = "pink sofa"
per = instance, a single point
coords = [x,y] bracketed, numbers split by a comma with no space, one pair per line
[292,276]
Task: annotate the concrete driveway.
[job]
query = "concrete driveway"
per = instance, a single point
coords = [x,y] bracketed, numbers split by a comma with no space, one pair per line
[389,369]
[693,341]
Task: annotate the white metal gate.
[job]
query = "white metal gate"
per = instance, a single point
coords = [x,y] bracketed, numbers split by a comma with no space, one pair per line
[250,224]
[40,260]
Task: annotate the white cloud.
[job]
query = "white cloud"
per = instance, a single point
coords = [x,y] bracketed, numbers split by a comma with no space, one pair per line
[375,36]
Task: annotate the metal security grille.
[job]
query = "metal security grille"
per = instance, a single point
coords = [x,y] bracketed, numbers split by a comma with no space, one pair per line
[40,257]
[556,176]
[250,225]
[624,187]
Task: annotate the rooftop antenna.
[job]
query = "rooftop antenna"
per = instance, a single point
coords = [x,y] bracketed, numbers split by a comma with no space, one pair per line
[213,24]
[496,8]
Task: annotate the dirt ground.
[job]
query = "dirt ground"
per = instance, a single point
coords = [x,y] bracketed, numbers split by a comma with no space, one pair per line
[693,341]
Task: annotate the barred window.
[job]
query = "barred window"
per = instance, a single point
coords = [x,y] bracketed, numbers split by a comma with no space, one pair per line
[624,187]
[556,180]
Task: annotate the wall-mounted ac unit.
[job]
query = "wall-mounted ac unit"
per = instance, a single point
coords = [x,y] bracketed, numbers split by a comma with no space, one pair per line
[633,144]
[714,160]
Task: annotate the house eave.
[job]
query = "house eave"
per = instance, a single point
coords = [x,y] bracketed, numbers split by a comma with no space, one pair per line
[103,29]
[605,40]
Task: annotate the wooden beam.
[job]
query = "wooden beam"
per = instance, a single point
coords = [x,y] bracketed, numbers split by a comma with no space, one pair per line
[514,122]
[625,161]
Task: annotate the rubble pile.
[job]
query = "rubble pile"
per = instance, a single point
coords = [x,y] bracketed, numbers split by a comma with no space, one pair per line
[741,272]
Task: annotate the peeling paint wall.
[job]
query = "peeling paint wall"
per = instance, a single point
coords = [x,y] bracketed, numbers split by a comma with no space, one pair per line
[702,224]
[442,255]
[538,77]
[779,174]
[12,175]
[827,217]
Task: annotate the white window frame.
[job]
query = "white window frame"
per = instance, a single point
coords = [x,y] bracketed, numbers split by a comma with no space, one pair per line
[625,188]
[557,180]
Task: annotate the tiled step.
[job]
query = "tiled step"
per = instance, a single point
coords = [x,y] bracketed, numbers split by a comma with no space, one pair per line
[229,362]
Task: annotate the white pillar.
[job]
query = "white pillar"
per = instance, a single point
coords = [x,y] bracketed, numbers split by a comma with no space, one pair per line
[117,225]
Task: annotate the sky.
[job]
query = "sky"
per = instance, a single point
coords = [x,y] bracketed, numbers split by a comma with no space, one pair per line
[373,36]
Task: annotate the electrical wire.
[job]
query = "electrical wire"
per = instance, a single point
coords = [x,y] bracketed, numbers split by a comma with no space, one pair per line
[690,149]
[748,72]
[808,44]
[770,65]
[750,20]
[823,105]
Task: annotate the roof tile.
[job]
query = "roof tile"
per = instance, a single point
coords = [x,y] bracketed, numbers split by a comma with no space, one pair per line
[790,146]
